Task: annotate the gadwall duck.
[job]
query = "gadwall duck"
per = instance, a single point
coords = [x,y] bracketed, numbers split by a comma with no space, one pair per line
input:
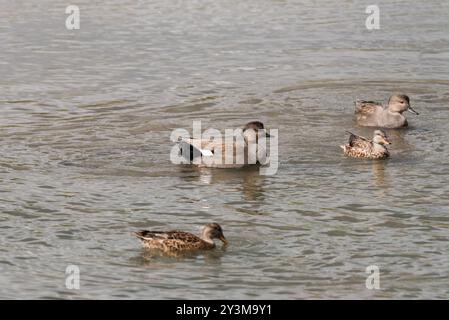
[178,241]
[214,153]
[360,147]
[373,114]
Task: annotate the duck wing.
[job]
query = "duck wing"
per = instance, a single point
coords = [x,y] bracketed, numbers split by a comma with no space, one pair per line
[170,240]
[359,142]
[194,148]
[150,235]
[366,107]
[165,235]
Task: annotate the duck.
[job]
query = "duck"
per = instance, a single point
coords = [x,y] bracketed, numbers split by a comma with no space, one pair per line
[180,241]
[360,147]
[373,114]
[227,153]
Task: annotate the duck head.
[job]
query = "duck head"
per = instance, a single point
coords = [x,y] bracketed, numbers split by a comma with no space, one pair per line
[252,129]
[380,138]
[213,231]
[400,103]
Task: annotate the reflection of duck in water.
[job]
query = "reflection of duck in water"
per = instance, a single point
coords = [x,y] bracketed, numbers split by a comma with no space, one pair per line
[247,186]
[179,241]
[252,186]
[212,153]
[360,147]
[373,114]
[379,175]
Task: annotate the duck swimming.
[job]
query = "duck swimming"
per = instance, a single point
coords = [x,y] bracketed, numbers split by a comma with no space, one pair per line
[179,241]
[360,147]
[373,114]
[227,153]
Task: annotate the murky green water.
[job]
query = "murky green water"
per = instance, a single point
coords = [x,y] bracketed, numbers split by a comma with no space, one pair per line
[85,122]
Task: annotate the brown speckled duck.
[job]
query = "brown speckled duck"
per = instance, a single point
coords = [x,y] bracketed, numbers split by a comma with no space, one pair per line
[179,241]
[360,147]
[373,114]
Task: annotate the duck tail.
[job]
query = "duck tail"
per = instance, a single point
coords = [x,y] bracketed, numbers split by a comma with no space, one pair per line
[360,105]
[188,150]
[140,234]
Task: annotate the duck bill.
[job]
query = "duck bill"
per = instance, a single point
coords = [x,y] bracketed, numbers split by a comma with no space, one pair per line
[223,239]
[386,141]
[412,111]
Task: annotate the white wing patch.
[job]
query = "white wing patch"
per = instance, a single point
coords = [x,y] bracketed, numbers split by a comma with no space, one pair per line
[206,153]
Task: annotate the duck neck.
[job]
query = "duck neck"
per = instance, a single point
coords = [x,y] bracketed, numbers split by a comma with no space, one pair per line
[206,237]
[250,140]
[392,119]
[394,113]
[379,147]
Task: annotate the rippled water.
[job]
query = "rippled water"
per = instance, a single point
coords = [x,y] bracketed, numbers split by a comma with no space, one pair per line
[85,122]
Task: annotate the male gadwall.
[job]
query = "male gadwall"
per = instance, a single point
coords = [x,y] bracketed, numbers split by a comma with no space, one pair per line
[360,147]
[227,153]
[373,114]
[179,241]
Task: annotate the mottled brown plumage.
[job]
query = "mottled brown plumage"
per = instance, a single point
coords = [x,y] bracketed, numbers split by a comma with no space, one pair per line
[176,241]
[366,107]
[360,147]
[356,141]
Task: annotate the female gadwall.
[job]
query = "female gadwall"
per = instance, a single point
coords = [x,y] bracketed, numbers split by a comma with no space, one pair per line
[179,241]
[227,153]
[360,147]
[373,114]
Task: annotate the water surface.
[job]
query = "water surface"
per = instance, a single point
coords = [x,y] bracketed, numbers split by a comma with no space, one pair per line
[85,122]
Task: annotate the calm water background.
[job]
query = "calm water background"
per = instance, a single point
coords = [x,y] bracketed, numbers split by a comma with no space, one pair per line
[85,121]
